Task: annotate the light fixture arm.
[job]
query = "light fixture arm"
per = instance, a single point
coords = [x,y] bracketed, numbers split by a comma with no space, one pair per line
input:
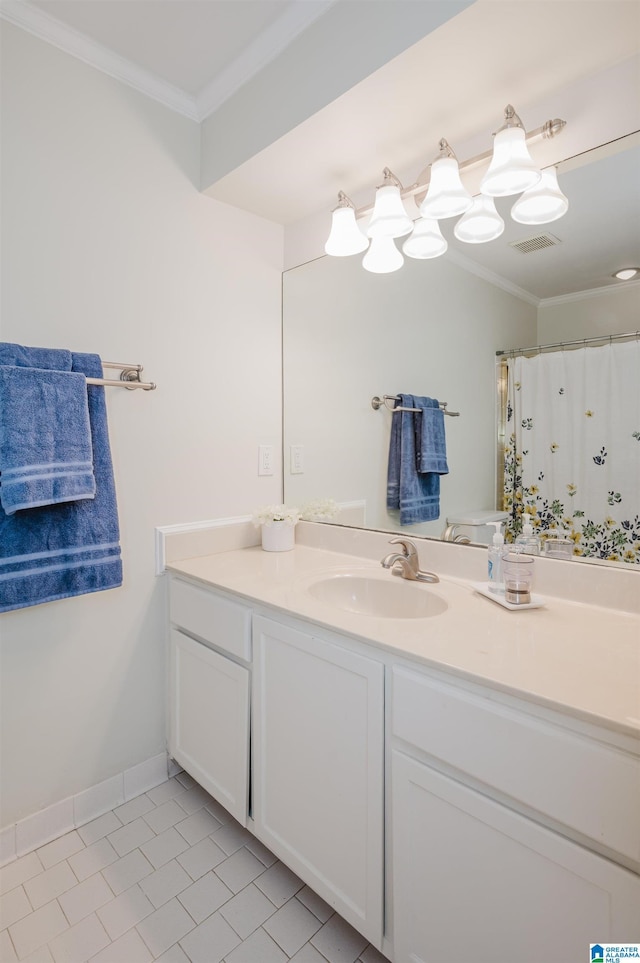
[344,201]
[511,119]
[390,178]
[445,151]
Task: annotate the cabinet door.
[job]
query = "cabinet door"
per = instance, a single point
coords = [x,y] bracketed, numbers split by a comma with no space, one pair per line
[473,880]
[210,721]
[318,767]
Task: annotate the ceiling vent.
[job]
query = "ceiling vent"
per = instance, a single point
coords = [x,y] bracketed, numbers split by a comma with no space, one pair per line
[536,243]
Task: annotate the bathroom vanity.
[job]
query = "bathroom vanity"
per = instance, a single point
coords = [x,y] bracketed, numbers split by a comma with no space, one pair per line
[458,785]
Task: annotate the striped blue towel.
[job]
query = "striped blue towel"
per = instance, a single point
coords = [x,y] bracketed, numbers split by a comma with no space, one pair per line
[415,494]
[45,438]
[56,551]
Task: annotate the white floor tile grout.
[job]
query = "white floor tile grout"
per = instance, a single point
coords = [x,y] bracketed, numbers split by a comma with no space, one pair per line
[166,876]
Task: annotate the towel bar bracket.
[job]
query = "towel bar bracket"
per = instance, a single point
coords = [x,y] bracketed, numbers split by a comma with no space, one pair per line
[129,377]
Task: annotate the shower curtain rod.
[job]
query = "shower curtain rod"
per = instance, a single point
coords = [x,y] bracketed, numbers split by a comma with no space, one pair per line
[567,344]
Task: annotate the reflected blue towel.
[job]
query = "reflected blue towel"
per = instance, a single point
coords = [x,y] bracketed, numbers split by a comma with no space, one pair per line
[72,548]
[431,446]
[45,438]
[417,496]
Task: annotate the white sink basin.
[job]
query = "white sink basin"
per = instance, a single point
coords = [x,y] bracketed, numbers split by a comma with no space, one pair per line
[390,597]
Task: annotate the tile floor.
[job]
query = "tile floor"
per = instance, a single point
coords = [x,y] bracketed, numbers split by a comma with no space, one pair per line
[168,876]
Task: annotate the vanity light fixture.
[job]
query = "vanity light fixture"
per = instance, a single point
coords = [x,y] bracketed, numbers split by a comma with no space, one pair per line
[542,203]
[426,240]
[346,237]
[440,194]
[383,257]
[627,274]
[446,197]
[512,169]
[481,223]
[389,218]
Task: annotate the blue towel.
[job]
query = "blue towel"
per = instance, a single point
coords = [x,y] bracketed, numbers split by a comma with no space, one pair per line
[53,359]
[431,446]
[72,548]
[417,496]
[45,438]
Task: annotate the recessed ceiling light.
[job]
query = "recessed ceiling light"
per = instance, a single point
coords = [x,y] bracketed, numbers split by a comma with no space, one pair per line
[627,274]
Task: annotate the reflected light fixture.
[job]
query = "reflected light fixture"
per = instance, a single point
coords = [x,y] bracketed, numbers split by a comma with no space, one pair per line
[446,196]
[481,223]
[426,240]
[345,238]
[440,193]
[389,218]
[627,274]
[512,169]
[542,203]
[383,257]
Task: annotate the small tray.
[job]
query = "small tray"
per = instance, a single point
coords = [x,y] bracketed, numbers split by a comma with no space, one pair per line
[537,601]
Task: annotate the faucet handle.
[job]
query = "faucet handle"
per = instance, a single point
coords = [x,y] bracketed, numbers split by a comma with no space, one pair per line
[409,548]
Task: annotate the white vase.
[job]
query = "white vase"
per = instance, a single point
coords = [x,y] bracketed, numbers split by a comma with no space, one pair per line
[278,537]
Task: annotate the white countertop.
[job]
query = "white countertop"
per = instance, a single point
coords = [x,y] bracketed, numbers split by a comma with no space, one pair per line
[580,659]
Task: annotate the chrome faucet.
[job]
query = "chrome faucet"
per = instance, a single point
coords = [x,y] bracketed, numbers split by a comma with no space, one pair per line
[406,564]
[449,535]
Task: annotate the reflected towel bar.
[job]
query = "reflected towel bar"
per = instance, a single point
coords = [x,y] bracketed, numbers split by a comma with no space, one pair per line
[377,402]
[129,377]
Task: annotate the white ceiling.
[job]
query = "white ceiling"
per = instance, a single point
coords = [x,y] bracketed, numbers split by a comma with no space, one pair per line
[195,54]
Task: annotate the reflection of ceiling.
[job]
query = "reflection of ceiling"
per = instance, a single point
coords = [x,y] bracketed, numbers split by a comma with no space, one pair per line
[599,234]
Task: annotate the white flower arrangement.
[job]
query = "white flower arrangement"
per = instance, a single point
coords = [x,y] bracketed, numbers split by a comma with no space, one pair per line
[276,513]
[320,510]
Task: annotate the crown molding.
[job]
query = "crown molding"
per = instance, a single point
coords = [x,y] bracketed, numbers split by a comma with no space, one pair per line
[482,272]
[297,18]
[45,27]
[612,288]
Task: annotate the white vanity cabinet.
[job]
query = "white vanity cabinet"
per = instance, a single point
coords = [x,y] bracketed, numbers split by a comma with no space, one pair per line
[482,795]
[209,679]
[318,753]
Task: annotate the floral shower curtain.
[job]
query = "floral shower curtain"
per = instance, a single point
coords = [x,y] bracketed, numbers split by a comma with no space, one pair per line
[572,452]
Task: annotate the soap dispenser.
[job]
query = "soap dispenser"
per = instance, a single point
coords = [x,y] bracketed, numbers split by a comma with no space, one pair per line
[496,549]
[528,542]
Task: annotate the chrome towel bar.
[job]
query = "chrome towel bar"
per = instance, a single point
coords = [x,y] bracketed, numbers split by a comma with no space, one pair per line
[378,402]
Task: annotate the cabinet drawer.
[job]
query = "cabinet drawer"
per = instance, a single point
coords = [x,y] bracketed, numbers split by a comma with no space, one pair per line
[589,787]
[224,624]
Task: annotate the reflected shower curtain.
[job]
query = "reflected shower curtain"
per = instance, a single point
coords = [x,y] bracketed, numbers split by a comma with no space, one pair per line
[572,453]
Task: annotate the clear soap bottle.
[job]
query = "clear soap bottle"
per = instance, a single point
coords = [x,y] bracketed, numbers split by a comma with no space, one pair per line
[527,542]
[496,550]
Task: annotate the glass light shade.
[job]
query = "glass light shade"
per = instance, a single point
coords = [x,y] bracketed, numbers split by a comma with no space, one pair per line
[512,169]
[426,241]
[383,256]
[346,237]
[480,224]
[542,203]
[446,195]
[389,218]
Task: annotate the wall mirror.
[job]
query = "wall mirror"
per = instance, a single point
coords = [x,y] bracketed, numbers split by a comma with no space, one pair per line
[434,327]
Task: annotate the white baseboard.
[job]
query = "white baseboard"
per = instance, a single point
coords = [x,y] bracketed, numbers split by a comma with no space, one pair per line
[34,831]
